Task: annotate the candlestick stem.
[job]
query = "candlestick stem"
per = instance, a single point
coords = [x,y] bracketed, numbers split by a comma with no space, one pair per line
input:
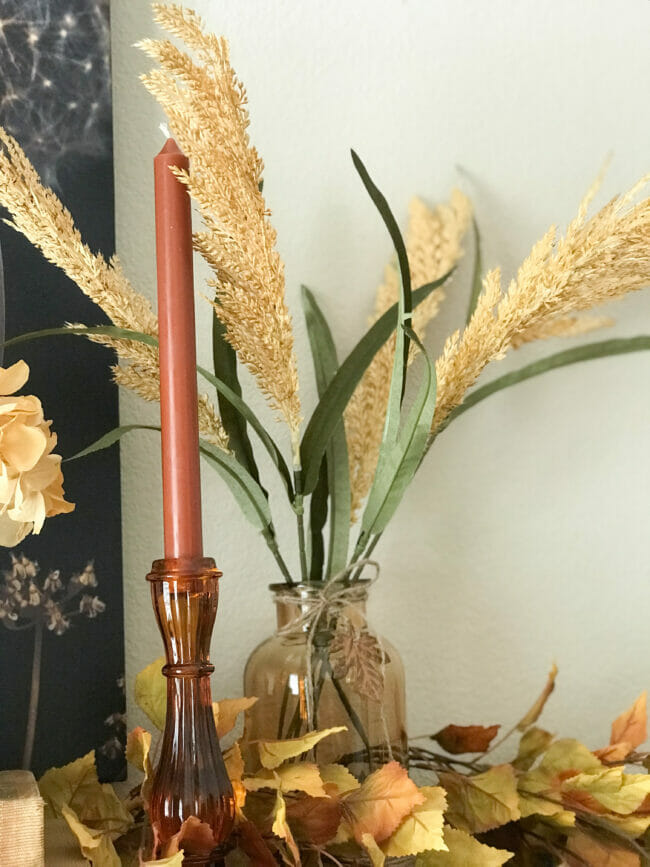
[190,779]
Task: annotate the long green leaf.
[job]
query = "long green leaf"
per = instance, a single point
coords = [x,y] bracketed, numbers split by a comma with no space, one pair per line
[225,367]
[588,352]
[337,482]
[330,407]
[379,200]
[400,457]
[317,521]
[110,438]
[247,413]
[477,274]
[235,401]
[84,330]
[247,492]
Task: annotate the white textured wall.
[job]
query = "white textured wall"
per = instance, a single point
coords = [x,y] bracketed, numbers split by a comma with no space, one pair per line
[524,539]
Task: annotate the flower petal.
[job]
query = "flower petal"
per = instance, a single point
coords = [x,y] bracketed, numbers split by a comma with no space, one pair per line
[14,377]
[21,446]
[12,532]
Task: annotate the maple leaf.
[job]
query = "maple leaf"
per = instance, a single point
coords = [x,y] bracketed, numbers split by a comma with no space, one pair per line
[378,806]
[357,657]
[463,851]
[274,753]
[483,801]
[421,830]
[466,739]
[535,711]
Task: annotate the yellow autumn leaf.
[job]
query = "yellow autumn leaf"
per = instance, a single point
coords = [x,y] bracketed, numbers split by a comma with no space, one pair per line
[463,851]
[150,692]
[535,711]
[533,743]
[226,712]
[274,753]
[340,777]
[568,754]
[378,806]
[482,802]
[69,785]
[96,845]
[616,791]
[234,762]
[539,789]
[138,746]
[422,828]
[375,854]
[600,853]
[301,777]
[94,804]
[281,827]
[174,861]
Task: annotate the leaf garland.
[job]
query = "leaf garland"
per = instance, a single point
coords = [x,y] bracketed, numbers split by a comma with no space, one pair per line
[556,799]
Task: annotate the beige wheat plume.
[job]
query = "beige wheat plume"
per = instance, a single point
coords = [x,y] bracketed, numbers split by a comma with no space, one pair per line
[38,214]
[206,107]
[561,326]
[598,260]
[433,242]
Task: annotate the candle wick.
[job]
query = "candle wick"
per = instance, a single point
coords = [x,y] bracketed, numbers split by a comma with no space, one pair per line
[164,129]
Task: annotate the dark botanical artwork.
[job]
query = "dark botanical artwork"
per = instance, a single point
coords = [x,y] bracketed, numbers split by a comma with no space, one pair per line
[61,624]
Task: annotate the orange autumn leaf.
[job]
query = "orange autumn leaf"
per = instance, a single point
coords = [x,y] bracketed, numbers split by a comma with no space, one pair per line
[629,731]
[535,711]
[252,844]
[466,739]
[315,820]
[587,849]
[194,838]
[378,806]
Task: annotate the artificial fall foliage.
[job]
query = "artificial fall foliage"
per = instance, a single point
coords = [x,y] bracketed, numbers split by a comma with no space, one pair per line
[470,798]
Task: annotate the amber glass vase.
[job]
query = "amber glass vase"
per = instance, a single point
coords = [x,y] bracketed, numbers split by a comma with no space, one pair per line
[190,778]
[331,670]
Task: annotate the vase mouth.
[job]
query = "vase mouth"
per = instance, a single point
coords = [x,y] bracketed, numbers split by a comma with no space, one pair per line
[305,589]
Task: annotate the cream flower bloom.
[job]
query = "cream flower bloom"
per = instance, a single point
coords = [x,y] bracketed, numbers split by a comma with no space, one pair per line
[31,482]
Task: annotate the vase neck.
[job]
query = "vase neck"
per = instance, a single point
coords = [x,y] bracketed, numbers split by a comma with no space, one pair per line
[294,603]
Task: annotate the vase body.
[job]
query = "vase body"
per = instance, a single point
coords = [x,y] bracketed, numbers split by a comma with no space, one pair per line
[324,667]
[190,779]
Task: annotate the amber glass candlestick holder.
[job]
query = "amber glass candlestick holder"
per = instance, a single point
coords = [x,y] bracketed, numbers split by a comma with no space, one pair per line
[190,779]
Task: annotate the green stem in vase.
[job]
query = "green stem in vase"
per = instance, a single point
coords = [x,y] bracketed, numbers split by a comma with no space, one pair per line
[355,720]
[35,688]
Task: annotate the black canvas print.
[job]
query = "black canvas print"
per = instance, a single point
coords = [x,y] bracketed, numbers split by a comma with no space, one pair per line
[61,628]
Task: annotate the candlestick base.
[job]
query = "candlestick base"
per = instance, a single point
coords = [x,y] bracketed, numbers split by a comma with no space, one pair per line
[190,781]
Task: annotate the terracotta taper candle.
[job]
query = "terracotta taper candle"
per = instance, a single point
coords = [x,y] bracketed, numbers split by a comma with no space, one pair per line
[190,781]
